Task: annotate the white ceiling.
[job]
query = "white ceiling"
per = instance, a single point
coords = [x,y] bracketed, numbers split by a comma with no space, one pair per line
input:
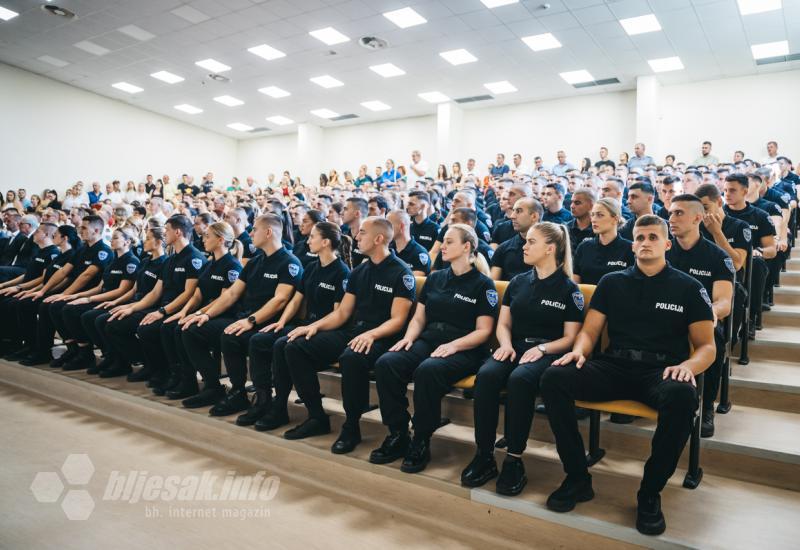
[710,36]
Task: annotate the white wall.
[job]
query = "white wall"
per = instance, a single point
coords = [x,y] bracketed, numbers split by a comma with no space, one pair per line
[262,156]
[53,134]
[735,113]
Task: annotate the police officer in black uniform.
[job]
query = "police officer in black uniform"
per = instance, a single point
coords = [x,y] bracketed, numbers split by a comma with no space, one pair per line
[118,278]
[405,247]
[508,261]
[321,290]
[762,231]
[709,264]
[55,276]
[379,296]
[541,315]
[553,199]
[641,195]
[255,300]
[95,320]
[86,271]
[607,251]
[219,274]
[301,248]
[144,317]
[423,229]
[652,312]
[580,226]
[46,253]
[237,218]
[445,341]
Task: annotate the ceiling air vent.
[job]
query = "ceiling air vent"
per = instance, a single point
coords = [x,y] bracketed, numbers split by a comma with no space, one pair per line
[778,59]
[257,130]
[218,77]
[58,11]
[344,117]
[603,82]
[372,43]
[474,98]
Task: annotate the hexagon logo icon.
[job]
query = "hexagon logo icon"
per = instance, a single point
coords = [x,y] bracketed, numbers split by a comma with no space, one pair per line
[48,487]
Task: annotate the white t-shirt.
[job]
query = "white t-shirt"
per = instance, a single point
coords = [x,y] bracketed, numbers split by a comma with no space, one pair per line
[421,166]
[116,197]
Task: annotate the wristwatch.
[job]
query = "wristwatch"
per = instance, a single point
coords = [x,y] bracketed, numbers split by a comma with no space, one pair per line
[252,320]
[542,348]
[162,311]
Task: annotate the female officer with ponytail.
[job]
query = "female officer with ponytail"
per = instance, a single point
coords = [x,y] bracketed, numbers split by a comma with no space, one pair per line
[607,251]
[445,341]
[322,288]
[541,315]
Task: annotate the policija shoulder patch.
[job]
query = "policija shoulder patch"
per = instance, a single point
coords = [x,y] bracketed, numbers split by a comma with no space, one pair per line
[233,275]
[577,297]
[705,297]
[197,263]
[294,269]
[408,281]
[729,265]
[491,297]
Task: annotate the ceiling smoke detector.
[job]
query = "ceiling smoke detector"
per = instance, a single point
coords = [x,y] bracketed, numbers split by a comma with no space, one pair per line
[372,43]
[218,77]
[56,10]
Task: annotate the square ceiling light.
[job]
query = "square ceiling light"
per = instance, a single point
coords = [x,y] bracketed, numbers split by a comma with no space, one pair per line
[212,65]
[666,64]
[266,51]
[280,120]
[375,105]
[501,87]
[329,36]
[239,126]
[189,109]
[126,87]
[405,17]
[274,91]
[324,113]
[539,42]
[168,77]
[434,97]
[326,81]
[748,7]
[770,49]
[576,77]
[497,3]
[136,32]
[387,70]
[7,14]
[228,100]
[641,24]
[458,57]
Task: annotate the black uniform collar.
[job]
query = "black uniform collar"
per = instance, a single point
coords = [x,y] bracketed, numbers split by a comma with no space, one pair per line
[676,246]
[555,276]
[386,261]
[639,274]
[463,277]
[746,210]
[610,244]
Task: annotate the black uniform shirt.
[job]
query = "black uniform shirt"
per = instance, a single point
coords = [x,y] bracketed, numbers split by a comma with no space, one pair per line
[303,253]
[562,216]
[263,274]
[594,259]
[480,229]
[425,233]
[508,257]
[779,196]
[705,261]
[58,262]
[39,263]
[651,314]
[458,300]
[149,274]
[123,268]
[578,235]
[503,231]
[323,287]
[540,307]
[375,286]
[759,221]
[415,256]
[186,264]
[99,255]
[770,207]
[736,231]
[217,276]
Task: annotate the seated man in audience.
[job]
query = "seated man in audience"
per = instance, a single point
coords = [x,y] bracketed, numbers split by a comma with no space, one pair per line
[503,230]
[553,204]
[21,246]
[507,261]
[356,209]
[423,229]
[658,343]
[407,249]
[462,199]
[467,217]
[237,218]
[612,188]
[377,206]
[580,226]
[640,200]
